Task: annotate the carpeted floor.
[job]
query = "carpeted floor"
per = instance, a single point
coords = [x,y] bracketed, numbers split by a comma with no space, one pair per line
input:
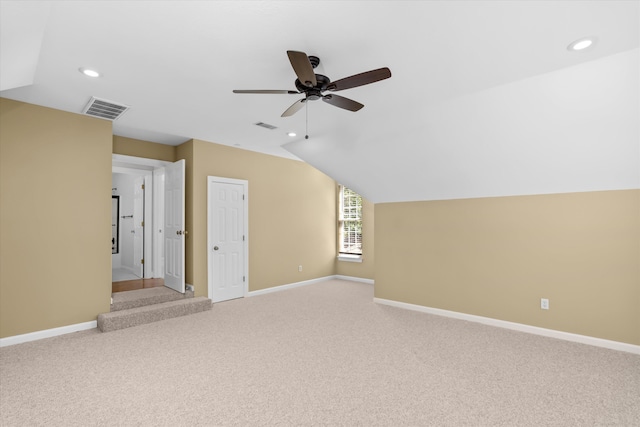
[322,354]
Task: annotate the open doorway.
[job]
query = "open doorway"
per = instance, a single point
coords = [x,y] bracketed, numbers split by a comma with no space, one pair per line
[138,241]
[128,240]
[132,243]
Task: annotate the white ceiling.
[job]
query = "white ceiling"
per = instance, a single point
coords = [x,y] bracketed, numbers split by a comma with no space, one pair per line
[484,98]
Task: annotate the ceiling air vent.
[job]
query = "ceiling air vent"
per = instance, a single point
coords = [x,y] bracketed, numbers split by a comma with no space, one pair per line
[104,109]
[266,125]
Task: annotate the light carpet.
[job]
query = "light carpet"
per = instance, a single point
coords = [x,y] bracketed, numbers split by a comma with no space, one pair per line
[319,355]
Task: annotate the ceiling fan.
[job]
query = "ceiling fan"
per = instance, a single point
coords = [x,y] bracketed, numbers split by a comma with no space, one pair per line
[313,85]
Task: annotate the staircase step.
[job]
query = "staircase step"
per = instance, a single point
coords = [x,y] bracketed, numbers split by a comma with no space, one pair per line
[149,296]
[122,319]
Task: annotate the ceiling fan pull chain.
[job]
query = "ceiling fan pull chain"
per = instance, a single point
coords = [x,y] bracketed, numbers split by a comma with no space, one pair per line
[306,131]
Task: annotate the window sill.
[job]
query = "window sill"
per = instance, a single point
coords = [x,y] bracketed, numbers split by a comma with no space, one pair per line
[350,258]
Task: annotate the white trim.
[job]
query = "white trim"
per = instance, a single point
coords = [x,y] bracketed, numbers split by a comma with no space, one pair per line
[289,286]
[148,249]
[355,279]
[567,336]
[132,162]
[350,258]
[307,282]
[47,333]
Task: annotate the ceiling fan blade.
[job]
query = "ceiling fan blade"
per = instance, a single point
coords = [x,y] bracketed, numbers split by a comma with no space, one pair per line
[360,79]
[292,92]
[342,102]
[303,68]
[294,108]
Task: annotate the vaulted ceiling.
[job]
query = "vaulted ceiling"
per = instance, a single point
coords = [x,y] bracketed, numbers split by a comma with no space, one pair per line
[485,99]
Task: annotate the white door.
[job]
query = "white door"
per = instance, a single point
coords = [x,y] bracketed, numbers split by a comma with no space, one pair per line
[227,239]
[138,226]
[158,222]
[174,232]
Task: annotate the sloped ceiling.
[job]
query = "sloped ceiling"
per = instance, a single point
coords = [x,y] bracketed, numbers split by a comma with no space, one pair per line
[484,98]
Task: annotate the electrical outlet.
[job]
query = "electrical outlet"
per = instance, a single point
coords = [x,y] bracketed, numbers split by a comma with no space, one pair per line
[299,268]
[544,303]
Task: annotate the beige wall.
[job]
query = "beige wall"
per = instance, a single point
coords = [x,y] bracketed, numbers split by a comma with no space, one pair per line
[365,269]
[496,257]
[292,215]
[55,269]
[493,257]
[55,212]
[145,149]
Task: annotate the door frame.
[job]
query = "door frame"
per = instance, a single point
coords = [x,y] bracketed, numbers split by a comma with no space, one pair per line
[141,242]
[149,167]
[211,180]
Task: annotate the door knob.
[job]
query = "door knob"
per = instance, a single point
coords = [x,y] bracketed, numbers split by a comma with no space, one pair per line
[179,232]
[215,248]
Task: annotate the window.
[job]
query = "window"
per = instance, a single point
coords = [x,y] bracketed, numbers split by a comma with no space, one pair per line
[350,222]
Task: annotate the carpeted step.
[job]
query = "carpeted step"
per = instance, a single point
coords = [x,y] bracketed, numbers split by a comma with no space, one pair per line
[151,313]
[149,296]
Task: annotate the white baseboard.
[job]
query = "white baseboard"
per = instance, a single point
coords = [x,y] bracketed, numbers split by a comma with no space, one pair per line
[47,333]
[567,336]
[288,286]
[305,283]
[354,279]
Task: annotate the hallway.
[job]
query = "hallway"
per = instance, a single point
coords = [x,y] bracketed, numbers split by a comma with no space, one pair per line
[131,285]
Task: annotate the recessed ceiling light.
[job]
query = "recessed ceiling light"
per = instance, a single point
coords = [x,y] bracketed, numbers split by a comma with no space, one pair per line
[90,73]
[581,44]
[291,134]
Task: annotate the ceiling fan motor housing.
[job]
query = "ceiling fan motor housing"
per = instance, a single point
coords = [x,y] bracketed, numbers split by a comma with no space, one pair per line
[314,93]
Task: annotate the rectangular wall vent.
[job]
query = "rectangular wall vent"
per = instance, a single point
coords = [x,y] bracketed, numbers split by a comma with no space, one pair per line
[266,125]
[104,109]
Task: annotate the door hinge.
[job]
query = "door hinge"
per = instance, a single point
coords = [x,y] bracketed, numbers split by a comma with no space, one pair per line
[243,278]
[142,261]
[243,197]
[142,223]
[142,186]
[243,238]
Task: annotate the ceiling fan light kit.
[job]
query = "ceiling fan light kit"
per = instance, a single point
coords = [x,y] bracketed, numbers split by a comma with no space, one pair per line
[313,85]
